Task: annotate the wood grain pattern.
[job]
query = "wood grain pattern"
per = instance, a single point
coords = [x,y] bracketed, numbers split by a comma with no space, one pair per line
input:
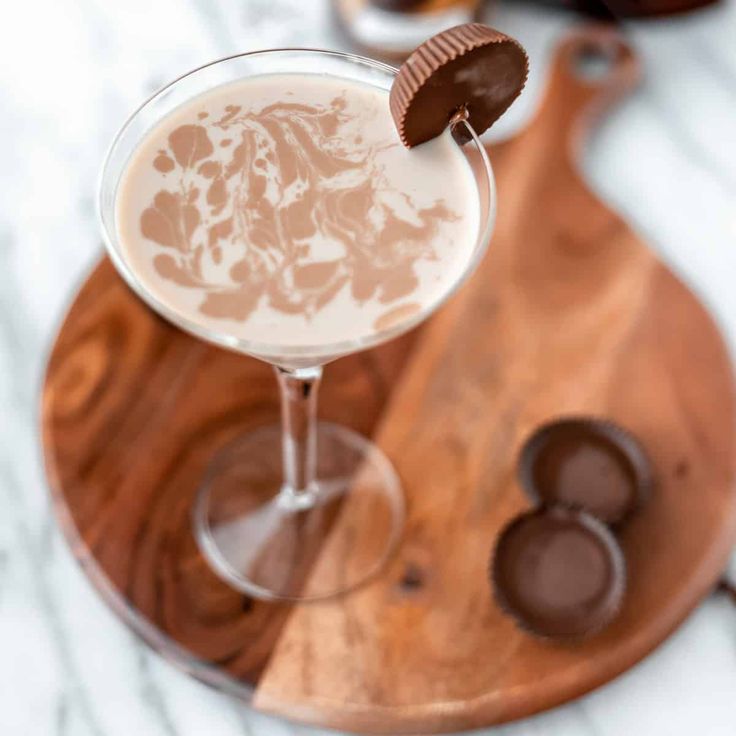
[569,312]
[132,411]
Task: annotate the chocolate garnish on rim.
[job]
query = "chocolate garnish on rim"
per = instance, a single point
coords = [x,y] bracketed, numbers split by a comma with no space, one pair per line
[471,66]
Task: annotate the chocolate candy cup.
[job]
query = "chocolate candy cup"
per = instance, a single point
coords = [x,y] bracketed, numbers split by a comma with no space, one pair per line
[559,572]
[471,67]
[586,463]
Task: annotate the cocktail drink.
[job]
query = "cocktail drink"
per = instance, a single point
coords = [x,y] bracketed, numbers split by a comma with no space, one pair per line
[265,203]
[283,211]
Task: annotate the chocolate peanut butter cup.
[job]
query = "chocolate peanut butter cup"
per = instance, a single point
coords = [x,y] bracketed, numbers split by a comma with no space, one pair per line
[559,573]
[586,463]
[471,67]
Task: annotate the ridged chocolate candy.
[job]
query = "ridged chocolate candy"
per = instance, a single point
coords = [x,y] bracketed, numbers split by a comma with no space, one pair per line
[470,66]
[559,572]
[587,463]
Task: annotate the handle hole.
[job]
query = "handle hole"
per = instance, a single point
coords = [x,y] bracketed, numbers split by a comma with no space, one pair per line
[594,62]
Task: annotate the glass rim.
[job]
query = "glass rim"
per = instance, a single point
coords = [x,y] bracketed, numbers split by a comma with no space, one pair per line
[321,352]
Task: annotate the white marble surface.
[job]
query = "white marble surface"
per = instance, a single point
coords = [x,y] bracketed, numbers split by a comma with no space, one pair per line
[69,72]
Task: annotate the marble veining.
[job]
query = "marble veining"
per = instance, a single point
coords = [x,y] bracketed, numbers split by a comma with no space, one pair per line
[69,73]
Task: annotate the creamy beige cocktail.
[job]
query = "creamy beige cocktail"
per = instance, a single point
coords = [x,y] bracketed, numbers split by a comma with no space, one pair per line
[283,210]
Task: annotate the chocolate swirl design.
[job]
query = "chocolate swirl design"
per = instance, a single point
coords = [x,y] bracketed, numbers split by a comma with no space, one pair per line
[253,191]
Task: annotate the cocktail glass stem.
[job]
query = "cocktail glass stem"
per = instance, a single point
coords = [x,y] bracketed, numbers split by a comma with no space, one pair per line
[299,388]
[281,496]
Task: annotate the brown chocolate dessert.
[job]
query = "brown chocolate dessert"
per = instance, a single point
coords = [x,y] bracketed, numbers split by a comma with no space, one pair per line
[585,463]
[471,67]
[559,572]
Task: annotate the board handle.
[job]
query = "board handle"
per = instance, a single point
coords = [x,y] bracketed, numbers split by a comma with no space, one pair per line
[598,58]
[592,68]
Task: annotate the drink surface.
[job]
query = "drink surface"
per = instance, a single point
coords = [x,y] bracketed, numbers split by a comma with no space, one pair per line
[283,210]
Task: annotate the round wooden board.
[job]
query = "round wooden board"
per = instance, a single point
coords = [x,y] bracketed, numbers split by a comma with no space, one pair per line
[569,313]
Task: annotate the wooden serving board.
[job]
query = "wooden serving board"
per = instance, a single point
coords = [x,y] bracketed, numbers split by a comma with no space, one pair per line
[569,313]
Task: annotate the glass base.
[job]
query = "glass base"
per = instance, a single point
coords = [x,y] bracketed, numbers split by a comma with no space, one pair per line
[269,543]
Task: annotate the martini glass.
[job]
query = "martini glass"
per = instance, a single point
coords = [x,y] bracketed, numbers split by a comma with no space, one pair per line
[305,509]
